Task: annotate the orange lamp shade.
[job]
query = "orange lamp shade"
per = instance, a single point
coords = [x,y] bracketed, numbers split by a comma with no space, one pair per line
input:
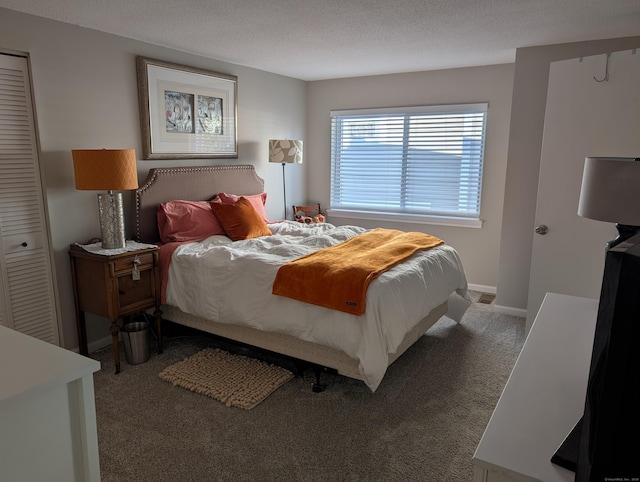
[105,169]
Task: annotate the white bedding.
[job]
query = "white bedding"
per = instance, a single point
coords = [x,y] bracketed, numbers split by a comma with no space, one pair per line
[231,282]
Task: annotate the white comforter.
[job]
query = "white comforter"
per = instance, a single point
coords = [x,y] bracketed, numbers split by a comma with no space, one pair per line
[231,282]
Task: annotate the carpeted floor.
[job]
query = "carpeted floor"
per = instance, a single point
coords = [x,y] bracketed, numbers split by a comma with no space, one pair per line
[423,423]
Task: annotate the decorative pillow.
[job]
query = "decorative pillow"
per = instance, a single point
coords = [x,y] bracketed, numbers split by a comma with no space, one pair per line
[240,220]
[257,201]
[187,221]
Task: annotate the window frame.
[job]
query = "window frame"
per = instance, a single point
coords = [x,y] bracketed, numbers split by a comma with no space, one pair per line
[407,216]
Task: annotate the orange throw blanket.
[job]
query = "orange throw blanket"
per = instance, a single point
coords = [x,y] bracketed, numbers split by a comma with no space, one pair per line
[338,277]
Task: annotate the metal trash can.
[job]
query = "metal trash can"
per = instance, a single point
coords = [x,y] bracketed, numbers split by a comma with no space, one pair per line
[136,342]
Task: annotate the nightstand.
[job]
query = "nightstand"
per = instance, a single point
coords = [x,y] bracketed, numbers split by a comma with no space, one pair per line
[115,286]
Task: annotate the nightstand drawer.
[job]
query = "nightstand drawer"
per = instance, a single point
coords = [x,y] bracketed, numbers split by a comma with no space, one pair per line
[136,295]
[126,264]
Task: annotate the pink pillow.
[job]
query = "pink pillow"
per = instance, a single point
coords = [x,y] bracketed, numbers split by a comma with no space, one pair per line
[257,201]
[187,221]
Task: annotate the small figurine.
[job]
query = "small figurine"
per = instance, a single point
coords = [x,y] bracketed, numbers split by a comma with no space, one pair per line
[304,214]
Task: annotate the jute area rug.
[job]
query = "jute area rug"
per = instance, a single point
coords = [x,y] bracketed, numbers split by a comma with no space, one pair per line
[235,380]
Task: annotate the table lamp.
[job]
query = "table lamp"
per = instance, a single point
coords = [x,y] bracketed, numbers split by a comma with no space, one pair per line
[107,170]
[611,192]
[285,152]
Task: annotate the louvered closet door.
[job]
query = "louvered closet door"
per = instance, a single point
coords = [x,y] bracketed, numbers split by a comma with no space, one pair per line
[27,300]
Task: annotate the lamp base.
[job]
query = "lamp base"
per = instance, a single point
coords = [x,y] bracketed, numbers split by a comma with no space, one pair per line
[111,220]
[625,231]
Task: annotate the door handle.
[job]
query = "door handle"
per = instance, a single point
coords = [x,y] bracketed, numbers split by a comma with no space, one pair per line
[542,229]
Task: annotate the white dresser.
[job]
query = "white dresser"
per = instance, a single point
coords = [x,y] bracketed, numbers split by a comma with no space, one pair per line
[544,396]
[47,412]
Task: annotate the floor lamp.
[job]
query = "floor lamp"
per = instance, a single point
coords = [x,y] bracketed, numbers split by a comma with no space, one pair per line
[107,170]
[285,152]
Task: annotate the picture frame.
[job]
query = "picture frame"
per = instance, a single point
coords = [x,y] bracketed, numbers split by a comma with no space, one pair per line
[186,112]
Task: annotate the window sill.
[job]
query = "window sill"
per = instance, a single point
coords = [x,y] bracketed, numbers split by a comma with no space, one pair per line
[406,218]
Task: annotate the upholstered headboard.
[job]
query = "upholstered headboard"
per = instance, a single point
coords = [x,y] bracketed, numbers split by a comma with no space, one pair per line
[198,183]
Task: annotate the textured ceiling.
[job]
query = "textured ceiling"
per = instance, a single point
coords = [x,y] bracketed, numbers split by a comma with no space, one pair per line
[322,39]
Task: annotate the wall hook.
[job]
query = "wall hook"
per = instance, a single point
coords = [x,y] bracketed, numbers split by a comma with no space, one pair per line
[606,72]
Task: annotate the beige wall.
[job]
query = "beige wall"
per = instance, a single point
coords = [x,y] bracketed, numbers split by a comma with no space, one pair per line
[85,90]
[86,97]
[525,144]
[478,248]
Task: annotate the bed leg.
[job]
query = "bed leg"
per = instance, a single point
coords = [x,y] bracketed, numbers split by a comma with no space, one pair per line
[300,368]
[318,387]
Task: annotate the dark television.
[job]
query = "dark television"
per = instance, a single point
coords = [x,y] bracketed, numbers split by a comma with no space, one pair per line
[605,443]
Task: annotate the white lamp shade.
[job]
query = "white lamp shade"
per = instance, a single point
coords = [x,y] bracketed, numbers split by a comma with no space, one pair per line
[611,190]
[285,151]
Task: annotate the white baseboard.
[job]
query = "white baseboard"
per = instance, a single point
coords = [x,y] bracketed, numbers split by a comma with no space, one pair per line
[507,310]
[95,345]
[504,310]
[483,288]
[99,344]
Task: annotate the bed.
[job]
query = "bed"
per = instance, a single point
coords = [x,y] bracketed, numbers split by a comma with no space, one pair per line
[314,334]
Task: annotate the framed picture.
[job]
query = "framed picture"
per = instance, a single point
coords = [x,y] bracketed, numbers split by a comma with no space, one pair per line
[186,113]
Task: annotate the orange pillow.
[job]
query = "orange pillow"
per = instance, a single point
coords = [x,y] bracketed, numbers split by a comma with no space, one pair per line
[240,220]
[257,201]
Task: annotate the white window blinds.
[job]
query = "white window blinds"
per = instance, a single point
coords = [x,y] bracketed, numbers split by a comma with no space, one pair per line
[418,160]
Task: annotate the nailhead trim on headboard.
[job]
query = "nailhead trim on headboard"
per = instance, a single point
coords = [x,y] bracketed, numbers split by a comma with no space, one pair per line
[197,183]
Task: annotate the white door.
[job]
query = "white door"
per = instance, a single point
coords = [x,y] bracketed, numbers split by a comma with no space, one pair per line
[27,297]
[583,118]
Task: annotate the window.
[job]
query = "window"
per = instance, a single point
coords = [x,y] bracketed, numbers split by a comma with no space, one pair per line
[416,162]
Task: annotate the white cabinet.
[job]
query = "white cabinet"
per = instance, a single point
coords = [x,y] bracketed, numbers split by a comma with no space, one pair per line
[27,290]
[544,396]
[47,412]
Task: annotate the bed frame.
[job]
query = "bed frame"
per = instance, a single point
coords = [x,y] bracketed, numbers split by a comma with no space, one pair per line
[202,183]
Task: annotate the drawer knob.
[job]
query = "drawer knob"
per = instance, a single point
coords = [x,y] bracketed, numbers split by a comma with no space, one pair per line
[24,244]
